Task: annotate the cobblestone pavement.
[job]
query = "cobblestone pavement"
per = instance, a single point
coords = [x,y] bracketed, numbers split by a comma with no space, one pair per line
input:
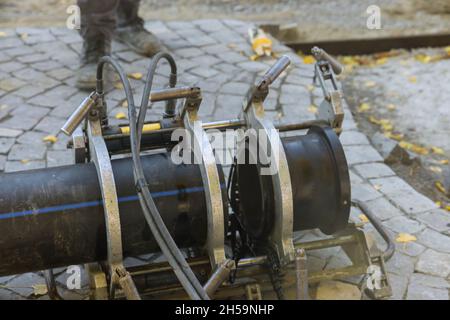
[37,93]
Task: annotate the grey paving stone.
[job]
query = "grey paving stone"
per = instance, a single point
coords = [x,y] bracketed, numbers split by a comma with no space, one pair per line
[354,178]
[403,224]
[189,52]
[2,166]
[438,220]
[9,295]
[412,202]
[412,249]
[361,154]
[12,166]
[430,281]
[60,73]
[435,240]
[10,84]
[227,106]
[46,65]
[421,292]
[6,144]
[434,263]
[9,133]
[33,58]
[383,208]
[31,111]
[205,61]
[353,138]
[20,51]
[59,158]
[398,284]
[204,72]
[27,152]
[10,42]
[401,264]
[11,66]
[23,284]
[364,192]
[374,170]
[235,88]
[32,137]
[252,66]
[29,91]
[392,185]
[19,122]
[50,125]
[128,56]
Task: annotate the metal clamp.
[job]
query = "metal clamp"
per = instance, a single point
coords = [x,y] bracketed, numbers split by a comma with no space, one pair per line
[204,155]
[331,109]
[100,156]
[269,140]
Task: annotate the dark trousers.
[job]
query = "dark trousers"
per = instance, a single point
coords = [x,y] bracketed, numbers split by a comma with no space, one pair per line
[99,18]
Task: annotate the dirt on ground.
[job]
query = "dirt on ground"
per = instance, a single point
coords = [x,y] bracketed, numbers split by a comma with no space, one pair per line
[316,20]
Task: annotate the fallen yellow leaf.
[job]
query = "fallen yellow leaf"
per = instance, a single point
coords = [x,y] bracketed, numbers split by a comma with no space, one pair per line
[423,58]
[24,36]
[413,147]
[438,150]
[447,49]
[24,161]
[370,84]
[312,109]
[363,218]
[39,289]
[50,138]
[124,104]
[118,85]
[381,61]
[394,136]
[391,107]
[412,79]
[405,238]
[374,120]
[440,187]
[445,161]
[121,115]
[2,34]
[310,87]
[135,75]
[435,169]
[364,107]
[308,59]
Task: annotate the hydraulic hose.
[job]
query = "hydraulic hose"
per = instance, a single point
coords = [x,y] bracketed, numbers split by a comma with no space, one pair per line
[388,253]
[173,254]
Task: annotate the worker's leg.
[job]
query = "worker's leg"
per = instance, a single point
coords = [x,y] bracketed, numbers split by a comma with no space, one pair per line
[98,22]
[131,29]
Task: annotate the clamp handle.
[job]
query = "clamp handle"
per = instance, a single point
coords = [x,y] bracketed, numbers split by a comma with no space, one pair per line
[321,54]
[79,114]
[274,72]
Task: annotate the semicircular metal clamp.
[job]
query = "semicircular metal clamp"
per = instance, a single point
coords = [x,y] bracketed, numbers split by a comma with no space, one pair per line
[118,276]
[271,159]
[203,155]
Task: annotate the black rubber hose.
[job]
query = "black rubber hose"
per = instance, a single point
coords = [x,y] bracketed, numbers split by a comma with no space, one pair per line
[377,224]
[151,213]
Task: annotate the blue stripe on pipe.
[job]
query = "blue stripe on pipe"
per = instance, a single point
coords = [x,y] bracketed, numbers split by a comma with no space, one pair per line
[71,206]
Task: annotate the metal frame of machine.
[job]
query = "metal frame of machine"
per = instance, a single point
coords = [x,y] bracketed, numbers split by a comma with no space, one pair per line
[289,259]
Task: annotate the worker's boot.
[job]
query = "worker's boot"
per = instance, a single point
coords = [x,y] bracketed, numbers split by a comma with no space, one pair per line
[139,39]
[130,29]
[93,50]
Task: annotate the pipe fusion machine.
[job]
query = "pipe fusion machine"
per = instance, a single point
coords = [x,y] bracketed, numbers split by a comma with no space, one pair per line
[221,238]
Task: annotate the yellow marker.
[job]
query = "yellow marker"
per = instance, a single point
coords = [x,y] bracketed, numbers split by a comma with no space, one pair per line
[147,128]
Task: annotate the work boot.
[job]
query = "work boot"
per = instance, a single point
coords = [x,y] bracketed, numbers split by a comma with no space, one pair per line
[93,50]
[138,39]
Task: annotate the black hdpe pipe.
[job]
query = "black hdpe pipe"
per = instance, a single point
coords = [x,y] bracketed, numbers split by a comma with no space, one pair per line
[54,217]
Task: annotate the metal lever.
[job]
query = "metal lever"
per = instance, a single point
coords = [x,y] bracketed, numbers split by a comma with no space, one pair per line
[79,114]
[274,72]
[173,93]
[321,54]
